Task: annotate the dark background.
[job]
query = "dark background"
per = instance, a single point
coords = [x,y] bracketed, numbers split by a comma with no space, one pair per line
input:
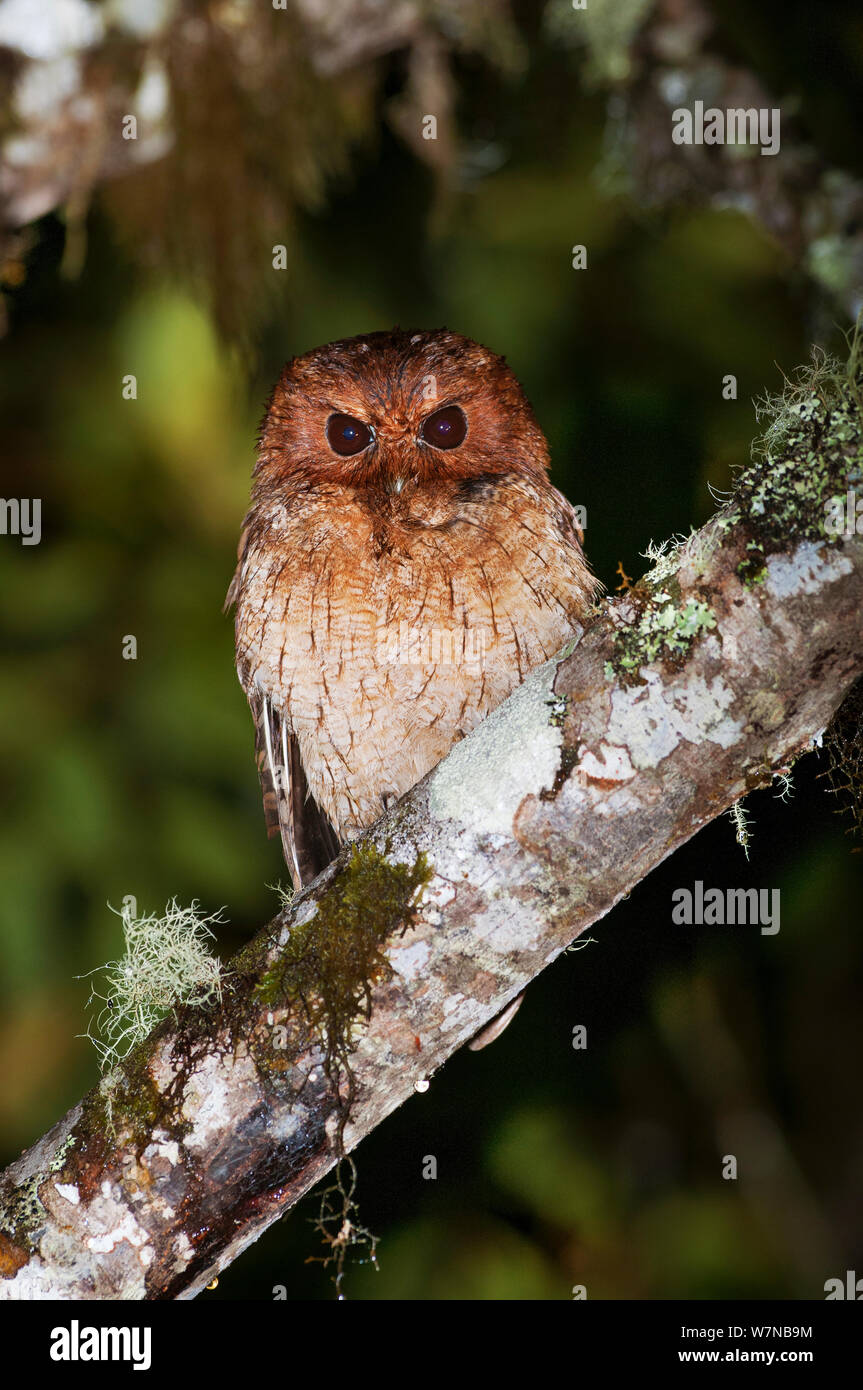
[555,1167]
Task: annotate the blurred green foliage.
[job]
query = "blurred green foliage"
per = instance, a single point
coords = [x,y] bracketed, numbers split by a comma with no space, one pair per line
[556,1167]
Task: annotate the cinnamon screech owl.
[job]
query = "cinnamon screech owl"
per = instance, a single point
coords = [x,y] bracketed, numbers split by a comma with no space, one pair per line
[405,563]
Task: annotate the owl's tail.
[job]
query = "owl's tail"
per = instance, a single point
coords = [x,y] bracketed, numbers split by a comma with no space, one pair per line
[308,839]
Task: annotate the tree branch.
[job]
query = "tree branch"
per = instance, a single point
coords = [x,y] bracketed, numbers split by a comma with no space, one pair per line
[700,683]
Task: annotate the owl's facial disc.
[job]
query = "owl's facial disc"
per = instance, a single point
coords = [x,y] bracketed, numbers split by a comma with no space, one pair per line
[395,411]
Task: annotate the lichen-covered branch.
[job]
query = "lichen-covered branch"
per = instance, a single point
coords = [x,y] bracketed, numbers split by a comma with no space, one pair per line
[704,680]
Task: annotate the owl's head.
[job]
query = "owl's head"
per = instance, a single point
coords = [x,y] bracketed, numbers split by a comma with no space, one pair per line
[398,410]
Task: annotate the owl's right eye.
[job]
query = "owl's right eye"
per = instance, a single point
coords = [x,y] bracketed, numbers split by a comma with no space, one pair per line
[346,435]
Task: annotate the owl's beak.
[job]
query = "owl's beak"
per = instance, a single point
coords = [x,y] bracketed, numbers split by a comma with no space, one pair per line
[397,482]
[396,458]
[398,469]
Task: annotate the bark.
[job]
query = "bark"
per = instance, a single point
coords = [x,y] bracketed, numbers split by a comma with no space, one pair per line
[703,681]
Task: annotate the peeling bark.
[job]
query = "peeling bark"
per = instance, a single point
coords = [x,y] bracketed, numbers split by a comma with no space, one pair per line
[704,681]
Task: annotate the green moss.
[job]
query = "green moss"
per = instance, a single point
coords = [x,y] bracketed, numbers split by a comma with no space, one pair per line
[330,963]
[125,1109]
[134,1105]
[753,570]
[664,631]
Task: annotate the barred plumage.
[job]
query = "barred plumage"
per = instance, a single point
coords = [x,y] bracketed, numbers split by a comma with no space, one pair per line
[404,564]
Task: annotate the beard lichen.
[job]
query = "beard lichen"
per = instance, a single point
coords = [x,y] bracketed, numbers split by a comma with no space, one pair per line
[843,743]
[327,969]
[739,817]
[167,962]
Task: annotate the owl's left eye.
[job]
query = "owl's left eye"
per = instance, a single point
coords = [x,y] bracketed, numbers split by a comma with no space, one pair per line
[346,435]
[445,429]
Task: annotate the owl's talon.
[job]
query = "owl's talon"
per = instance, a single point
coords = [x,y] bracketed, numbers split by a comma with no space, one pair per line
[497,1026]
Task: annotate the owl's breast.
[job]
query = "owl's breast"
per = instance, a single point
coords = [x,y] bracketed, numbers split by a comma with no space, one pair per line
[386,636]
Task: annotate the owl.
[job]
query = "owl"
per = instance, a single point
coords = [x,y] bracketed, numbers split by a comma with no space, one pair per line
[404,564]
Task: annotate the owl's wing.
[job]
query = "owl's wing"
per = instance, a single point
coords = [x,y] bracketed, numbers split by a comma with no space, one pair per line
[308,839]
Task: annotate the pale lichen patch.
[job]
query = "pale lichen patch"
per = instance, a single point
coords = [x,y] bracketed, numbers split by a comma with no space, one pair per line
[304,913]
[513,754]
[808,569]
[410,961]
[166,1149]
[127,1229]
[766,709]
[652,719]
[214,1092]
[183,1252]
[464,1013]
[610,763]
